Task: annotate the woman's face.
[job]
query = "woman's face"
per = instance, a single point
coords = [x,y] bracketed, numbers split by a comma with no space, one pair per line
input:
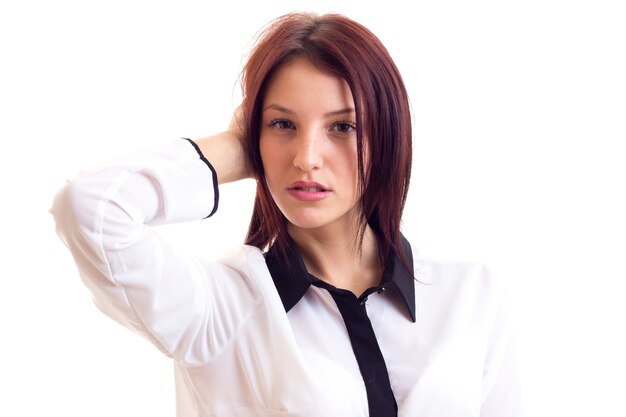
[309,146]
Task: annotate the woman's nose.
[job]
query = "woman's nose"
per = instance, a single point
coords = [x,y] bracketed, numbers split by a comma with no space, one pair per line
[309,153]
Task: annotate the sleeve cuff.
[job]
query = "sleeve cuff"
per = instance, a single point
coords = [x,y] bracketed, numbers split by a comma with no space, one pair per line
[216,192]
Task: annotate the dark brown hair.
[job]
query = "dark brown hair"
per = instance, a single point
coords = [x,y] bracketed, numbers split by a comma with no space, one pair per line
[350,51]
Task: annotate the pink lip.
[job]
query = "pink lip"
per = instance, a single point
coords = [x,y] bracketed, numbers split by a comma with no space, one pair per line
[299,191]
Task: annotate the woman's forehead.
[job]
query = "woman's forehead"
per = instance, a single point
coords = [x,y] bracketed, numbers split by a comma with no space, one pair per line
[300,85]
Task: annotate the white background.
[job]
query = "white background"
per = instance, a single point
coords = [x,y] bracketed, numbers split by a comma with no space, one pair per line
[520,127]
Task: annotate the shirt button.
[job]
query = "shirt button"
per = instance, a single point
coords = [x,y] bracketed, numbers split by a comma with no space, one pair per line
[382,290]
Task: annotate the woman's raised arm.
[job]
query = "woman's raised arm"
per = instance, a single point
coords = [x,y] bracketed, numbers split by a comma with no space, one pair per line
[189,308]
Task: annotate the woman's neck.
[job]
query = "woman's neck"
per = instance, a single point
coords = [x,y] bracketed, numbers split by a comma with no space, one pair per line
[335,257]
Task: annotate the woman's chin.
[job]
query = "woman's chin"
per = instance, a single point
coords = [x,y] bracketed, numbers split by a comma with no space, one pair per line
[302,222]
[319,221]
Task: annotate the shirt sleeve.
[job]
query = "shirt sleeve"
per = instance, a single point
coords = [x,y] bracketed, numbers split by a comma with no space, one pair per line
[501,384]
[189,308]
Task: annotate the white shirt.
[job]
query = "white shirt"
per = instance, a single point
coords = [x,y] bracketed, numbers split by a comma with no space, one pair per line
[242,350]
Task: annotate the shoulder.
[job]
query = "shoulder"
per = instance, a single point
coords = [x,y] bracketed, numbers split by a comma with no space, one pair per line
[247,263]
[435,271]
[241,261]
[441,273]
[244,258]
[466,287]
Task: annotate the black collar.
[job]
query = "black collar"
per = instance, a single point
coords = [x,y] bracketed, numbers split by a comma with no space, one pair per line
[292,279]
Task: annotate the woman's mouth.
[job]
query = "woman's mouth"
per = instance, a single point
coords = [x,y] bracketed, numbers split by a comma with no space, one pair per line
[308,191]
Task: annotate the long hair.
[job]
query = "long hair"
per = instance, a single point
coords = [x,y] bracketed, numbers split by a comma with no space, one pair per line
[345,48]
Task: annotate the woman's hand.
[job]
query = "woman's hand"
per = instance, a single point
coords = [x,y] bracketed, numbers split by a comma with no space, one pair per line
[225,151]
[237,123]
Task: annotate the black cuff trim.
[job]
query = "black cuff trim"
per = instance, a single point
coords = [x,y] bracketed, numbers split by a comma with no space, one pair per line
[216,190]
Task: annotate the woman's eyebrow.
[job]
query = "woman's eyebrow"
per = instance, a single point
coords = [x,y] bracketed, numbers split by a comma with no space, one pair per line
[279,108]
[338,112]
[288,111]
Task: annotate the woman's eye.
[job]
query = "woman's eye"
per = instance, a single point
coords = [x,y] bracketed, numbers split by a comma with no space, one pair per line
[282,124]
[344,127]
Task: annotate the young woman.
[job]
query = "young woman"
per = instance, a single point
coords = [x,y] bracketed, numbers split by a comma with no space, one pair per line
[326,311]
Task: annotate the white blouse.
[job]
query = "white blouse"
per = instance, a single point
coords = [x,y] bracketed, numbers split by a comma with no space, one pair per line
[240,349]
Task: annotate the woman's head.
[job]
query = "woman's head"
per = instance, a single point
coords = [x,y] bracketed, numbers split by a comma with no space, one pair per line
[308,145]
[342,48]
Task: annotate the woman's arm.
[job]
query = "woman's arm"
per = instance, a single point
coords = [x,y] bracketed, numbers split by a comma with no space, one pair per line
[189,308]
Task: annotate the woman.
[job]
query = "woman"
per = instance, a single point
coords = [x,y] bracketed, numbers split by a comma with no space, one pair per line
[326,311]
